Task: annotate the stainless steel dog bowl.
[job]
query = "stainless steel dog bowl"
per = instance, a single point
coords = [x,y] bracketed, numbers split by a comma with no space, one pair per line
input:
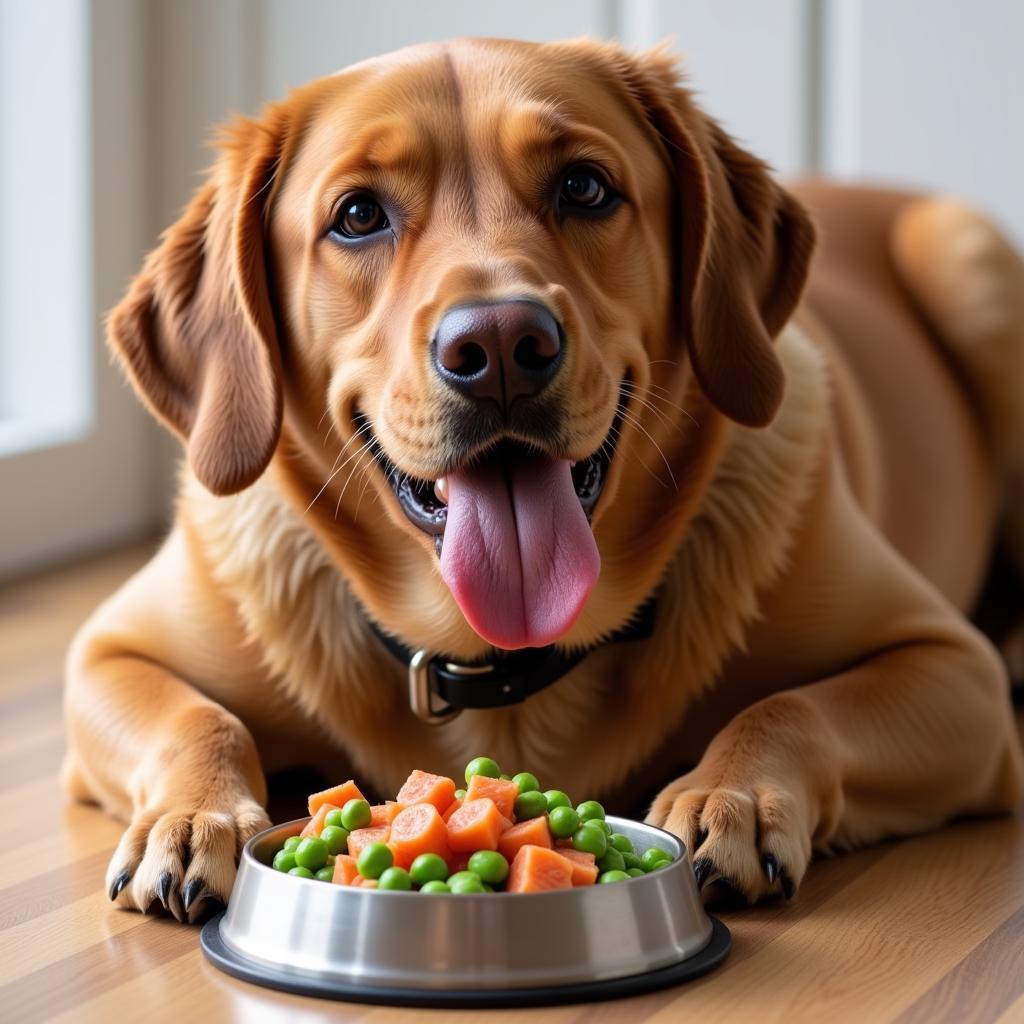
[493,949]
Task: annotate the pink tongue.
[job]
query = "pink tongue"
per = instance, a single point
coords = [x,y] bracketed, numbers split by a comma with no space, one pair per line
[518,553]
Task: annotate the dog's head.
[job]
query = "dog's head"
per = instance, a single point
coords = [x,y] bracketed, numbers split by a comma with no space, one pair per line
[519,286]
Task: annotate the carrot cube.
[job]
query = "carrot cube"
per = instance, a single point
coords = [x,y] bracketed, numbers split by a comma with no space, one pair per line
[538,869]
[501,791]
[383,814]
[532,832]
[424,788]
[452,808]
[315,824]
[476,825]
[418,829]
[337,795]
[584,867]
[362,837]
[345,869]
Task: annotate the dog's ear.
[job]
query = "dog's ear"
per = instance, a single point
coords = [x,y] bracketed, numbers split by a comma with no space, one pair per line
[743,246]
[195,331]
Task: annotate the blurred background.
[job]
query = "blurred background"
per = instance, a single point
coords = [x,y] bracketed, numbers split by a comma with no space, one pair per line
[105,107]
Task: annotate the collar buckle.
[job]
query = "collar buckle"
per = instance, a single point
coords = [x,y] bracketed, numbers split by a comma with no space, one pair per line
[421,692]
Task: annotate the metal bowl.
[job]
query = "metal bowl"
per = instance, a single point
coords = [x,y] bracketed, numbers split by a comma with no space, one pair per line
[492,949]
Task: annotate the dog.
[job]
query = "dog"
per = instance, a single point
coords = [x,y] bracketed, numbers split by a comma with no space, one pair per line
[485,353]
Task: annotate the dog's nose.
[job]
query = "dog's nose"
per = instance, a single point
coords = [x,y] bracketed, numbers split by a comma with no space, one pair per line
[498,351]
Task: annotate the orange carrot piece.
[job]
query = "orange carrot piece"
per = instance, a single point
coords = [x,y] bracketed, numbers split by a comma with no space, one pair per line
[365,883]
[584,868]
[501,791]
[538,869]
[532,832]
[383,814]
[337,795]
[315,824]
[424,788]
[418,829]
[452,808]
[476,825]
[362,837]
[345,869]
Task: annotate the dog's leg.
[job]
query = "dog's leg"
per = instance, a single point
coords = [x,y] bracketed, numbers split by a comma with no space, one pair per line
[910,726]
[179,768]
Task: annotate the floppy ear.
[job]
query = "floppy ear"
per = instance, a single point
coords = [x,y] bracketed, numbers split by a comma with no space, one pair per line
[743,245]
[196,331]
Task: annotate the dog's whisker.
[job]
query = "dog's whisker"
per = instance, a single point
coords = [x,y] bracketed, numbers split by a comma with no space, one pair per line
[644,401]
[636,423]
[354,455]
[335,472]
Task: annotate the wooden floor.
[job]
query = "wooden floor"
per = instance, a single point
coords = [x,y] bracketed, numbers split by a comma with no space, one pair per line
[926,930]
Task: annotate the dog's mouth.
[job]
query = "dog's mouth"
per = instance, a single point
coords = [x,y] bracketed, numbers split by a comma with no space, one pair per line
[511,527]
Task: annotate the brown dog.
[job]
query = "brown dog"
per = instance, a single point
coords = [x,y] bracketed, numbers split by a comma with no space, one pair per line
[432,319]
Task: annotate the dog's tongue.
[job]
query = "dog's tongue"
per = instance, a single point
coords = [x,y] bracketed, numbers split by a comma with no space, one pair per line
[518,553]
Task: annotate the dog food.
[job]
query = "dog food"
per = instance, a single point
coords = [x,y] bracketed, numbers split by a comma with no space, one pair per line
[500,833]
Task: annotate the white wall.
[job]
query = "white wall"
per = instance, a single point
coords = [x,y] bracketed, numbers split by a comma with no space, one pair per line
[915,92]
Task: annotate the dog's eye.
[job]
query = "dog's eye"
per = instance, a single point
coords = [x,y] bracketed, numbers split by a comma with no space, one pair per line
[360,215]
[585,190]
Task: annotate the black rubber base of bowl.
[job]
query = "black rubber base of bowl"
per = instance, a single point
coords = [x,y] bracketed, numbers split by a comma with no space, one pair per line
[581,992]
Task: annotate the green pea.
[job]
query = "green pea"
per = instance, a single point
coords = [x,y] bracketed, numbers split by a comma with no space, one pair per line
[355,814]
[563,821]
[465,881]
[435,886]
[428,867]
[336,839]
[374,860]
[395,878]
[611,861]
[482,766]
[490,865]
[291,842]
[487,887]
[556,798]
[661,864]
[301,872]
[613,876]
[530,804]
[590,840]
[334,818]
[655,855]
[460,794]
[631,860]
[526,782]
[601,824]
[325,874]
[621,843]
[589,810]
[284,860]
[311,853]
[635,872]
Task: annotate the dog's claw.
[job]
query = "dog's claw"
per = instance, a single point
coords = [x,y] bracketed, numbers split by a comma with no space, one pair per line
[788,888]
[702,870]
[191,892]
[119,883]
[164,889]
[771,867]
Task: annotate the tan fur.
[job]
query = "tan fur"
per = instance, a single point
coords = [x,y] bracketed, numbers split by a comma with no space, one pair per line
[812,674]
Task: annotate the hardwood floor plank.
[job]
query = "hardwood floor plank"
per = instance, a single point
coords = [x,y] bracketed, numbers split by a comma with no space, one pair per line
[984,984]
[52,889]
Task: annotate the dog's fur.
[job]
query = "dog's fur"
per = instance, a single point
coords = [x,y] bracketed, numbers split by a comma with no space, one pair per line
[816,488]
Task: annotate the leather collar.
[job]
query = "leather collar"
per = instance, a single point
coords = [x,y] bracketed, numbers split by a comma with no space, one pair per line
[440,688]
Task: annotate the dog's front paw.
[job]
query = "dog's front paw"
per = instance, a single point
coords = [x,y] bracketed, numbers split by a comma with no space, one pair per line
[745,842]
[182,859]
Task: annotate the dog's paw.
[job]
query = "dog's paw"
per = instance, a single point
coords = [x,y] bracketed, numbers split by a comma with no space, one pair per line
[745,843]
[182,859]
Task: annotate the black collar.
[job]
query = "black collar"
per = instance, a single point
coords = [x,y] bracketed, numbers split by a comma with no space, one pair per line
[507,678]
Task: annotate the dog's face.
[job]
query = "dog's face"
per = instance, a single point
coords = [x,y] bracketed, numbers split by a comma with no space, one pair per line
[512,282]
